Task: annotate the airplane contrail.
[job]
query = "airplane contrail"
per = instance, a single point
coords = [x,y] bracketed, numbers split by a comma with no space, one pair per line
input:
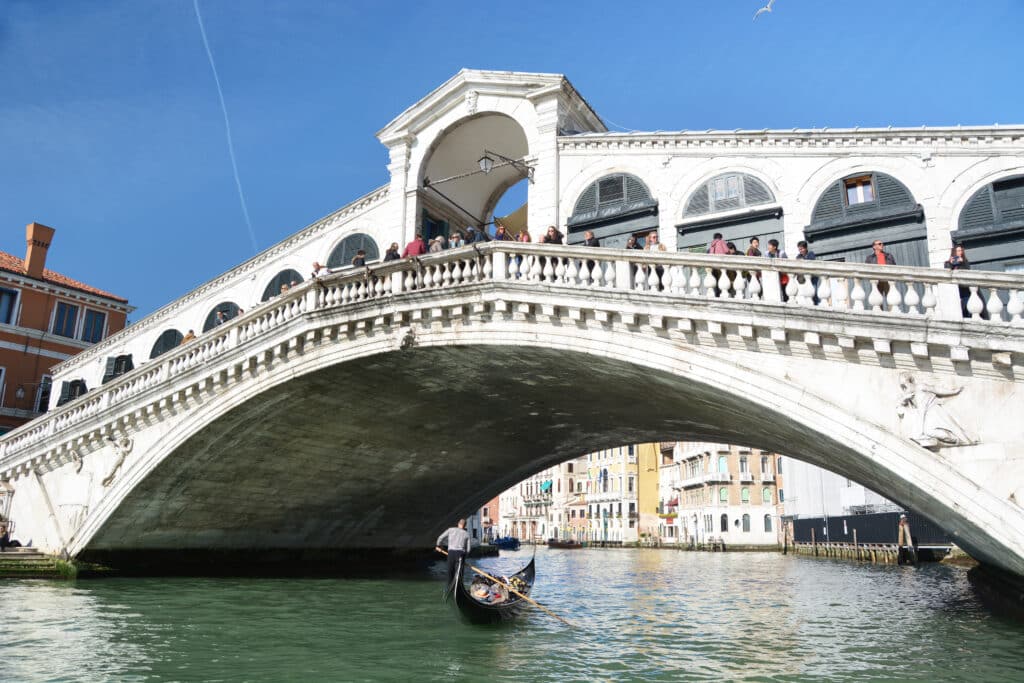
[227,128]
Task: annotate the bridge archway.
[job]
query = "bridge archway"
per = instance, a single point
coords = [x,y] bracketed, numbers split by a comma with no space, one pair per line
[377,447]
[454,192]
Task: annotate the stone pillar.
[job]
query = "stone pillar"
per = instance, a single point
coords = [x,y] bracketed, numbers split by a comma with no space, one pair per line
[543,192]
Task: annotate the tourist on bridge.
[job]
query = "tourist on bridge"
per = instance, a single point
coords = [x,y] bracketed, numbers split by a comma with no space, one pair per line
[456,241]
[805,254]
[457,539]
[187,338]
[319,270]
[359,260]
[589,240]
[553,236]
[502,235]
[391,253]
[718,245]
[473,235]
[437,245]
[958,261]
[523,236]
[755,247]
[415,248]
[881,257]
[775,252]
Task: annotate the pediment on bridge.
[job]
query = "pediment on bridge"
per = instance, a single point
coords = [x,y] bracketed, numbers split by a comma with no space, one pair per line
[465,88]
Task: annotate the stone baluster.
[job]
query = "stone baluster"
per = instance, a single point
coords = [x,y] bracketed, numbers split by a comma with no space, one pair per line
[639,278]
[572,273]
[739,286]
[974,304]
[652,278]
[912,299]
[446,275]
[824,291]
[754,286]
[994,305]
[486,270]
[709,284]
[929,300]
[597,273]
[805,290]
[559,265]
[894,299]
[613,273]
[793,289]
[1015,306]
[723,284]
[857,295]
[694,281]
[536,269]
[586,276]
[875,298]
[549,270]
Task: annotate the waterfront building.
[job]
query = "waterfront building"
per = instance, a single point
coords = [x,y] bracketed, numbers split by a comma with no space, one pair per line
[622,494]
[725,493]
[525,508]
[46,318]
[816,492]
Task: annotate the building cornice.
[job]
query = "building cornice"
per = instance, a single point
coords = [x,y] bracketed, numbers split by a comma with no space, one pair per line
[936,138]
[49,287]
[286,245]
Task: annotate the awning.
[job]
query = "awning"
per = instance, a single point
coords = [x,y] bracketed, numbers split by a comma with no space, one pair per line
[673,502]
[545,486]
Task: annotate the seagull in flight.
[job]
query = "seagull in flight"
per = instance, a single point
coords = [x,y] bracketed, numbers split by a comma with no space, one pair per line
[763,10]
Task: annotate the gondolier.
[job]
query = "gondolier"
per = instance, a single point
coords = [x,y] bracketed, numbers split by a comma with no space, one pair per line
[457,539]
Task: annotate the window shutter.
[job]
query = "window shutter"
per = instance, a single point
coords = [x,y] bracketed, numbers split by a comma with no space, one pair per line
[891,192]
[830,206]
[126,364]
[698,204]
[978,212]
[65,393]
[1009,199]
[110,370]
[635,190]
[755,192]
[587,201]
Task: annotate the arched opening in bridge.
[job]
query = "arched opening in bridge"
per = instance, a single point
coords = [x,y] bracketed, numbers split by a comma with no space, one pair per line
[614,208]
[467,170]
[991,226]
[346,252]
[737,205]
[857,210]
[281,283]
[221,313]
[167,340]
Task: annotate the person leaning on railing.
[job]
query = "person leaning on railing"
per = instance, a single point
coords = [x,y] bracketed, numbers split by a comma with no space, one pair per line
[881,257]
[958,261]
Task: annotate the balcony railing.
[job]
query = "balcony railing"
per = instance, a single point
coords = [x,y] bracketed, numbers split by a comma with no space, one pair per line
[746,477]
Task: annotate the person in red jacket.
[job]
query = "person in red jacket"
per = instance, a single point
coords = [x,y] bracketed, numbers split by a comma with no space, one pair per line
[415,248]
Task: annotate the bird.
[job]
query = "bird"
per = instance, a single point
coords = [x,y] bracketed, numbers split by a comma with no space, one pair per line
[766,8]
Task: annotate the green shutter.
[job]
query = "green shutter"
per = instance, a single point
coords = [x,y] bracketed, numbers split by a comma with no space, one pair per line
[892,193]
[979,211]
[699,203]
[109,370]
[830,206]
[755,192]
[587,201]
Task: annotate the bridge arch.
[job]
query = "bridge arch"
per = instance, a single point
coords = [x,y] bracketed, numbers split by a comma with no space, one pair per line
[403,437]
[453,190]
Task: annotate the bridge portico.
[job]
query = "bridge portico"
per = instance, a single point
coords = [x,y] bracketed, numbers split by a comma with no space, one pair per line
[367,409]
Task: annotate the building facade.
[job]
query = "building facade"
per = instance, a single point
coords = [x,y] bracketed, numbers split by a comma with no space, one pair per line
[720,493]
[46,318]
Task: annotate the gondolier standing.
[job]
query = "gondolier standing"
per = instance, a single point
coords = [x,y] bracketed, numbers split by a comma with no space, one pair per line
[458,547]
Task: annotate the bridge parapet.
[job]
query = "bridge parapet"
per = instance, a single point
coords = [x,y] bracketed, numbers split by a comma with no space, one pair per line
[820,298]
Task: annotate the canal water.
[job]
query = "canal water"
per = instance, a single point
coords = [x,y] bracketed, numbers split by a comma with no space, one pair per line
[640,615]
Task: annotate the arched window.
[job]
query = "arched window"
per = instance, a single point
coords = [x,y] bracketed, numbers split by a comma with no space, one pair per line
[613,207]
[746,523]
[767,522]
[766,495]
[725,523]
[285,279]
[860,208]
[723,495]
[229,309]
[167,340]
[745,495]
[723,464]
[343,254]
[991,226]
[730,192]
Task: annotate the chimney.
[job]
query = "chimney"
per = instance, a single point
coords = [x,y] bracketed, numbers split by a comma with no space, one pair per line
[38,238]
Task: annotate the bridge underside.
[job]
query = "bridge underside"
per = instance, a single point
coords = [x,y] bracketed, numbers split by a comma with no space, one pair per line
[314,464]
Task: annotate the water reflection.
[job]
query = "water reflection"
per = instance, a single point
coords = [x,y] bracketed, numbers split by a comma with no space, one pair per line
[641,615]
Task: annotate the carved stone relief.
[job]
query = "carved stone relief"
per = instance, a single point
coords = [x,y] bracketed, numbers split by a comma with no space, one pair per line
[927,421]
[122,447]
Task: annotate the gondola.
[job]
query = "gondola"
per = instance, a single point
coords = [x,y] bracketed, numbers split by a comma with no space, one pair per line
[477,612]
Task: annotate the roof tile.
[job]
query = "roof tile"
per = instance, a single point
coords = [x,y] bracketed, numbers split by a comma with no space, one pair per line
[14,264]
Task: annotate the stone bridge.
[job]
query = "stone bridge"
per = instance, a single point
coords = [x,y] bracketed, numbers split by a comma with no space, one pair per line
[366,409]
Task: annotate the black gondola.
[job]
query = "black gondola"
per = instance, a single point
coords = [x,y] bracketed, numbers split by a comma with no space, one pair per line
[478,612]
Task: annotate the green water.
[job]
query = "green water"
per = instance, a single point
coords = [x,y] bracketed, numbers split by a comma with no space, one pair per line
[643,615]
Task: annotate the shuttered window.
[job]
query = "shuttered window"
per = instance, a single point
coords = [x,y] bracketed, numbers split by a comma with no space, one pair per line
[1000,203]
[727,192]
[167,340]
[343,254]
[621,189]
[117,366]
[284,279]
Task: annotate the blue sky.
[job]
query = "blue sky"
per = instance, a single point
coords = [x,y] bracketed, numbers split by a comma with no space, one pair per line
[111,130]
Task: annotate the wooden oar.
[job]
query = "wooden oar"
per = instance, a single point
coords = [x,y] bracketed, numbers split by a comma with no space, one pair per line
[511,589]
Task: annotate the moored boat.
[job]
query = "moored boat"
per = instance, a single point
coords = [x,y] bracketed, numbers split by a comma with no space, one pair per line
[567,545]
[506,543]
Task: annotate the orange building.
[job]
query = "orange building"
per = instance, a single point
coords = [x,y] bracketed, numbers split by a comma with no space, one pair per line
[45,317]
